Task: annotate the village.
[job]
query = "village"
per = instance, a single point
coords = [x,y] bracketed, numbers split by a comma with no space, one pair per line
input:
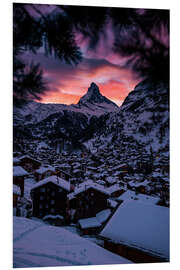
[97,195]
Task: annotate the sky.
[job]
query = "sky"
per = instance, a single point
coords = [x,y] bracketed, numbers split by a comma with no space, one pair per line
[68,83]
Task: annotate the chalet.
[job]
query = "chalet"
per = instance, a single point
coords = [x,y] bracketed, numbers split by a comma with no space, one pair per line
[49,197]
[88,199]
[16,195]
[66,168]
[29,164]
[110,181]
[115,190]
[43,172]
[64,175]
[123,168]
[138,186]
[93,225]
[139,232]
[89,225]
[18,177]
[78,173]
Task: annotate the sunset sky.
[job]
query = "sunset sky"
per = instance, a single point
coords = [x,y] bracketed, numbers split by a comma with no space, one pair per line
[68,83]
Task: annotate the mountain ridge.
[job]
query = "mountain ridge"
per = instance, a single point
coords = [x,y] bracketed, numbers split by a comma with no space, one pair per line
[92,103]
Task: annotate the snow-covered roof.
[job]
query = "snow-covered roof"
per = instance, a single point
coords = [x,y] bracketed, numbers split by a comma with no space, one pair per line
[141,225]
[86,223]
[36,244]
[45,169]
[26,156]
[120,166]
[53,217]
[112,203]
[16,160]
[103,215]
[129,194]
[55,180]
[19,171]
[111,180]
[87,185]
[113,188]
[138,184]
[16,190]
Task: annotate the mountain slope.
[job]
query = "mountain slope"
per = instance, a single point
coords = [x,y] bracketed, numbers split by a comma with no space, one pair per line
[74,123]
[141,126]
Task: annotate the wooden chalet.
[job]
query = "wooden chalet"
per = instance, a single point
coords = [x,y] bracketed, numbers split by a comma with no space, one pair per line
[62,174]
[139,232]
[29,164]
[49,197]
[18,177]
[93,225]
[88,199]
[140,187]
[44,172]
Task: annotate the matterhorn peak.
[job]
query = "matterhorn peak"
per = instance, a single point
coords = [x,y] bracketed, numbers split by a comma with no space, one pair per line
[94,96]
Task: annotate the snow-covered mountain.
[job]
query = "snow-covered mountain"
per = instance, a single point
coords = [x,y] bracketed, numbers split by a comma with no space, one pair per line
[95,98]
[141,124]
[76,122]
[91,104]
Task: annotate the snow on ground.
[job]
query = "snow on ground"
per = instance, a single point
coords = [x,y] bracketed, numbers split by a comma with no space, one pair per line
[36,245]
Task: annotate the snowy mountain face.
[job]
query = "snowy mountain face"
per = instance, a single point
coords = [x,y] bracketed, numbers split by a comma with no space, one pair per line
[93,96]
[75,122]
[141,124]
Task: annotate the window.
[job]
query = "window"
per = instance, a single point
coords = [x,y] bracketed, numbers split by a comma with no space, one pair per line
[53,193]
[40,206]
[53,202]
[41,198]
[42,189]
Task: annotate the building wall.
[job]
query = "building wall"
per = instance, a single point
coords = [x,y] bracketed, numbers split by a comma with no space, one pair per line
[89,203]
[132,254]
[49,199]
[19,181]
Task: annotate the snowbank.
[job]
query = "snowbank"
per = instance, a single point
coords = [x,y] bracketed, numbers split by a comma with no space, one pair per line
[37,244]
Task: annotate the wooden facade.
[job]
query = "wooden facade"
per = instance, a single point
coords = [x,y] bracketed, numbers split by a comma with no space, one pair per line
[133,254]
[49,199]
[64,175]
[29,164]
[88,203]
